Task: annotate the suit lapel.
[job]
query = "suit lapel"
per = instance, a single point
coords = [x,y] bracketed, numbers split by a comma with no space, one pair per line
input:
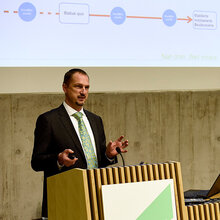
[65,120]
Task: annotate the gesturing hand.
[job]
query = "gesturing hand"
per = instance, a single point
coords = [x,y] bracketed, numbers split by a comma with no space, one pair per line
[64,160]
[111,147]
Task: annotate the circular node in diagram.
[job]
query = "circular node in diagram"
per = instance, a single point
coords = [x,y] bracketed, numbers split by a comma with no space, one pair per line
[169,17]
[27,11]
[118,15]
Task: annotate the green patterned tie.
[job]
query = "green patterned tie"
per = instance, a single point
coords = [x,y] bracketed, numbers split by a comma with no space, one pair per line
[86,142]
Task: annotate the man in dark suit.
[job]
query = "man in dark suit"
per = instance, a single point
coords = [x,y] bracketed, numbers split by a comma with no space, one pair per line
[58,145]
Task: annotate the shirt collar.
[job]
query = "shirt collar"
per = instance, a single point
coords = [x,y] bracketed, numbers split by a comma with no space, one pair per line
[71,110]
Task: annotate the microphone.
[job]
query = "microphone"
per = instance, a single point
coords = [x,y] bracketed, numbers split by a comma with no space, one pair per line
[119,152]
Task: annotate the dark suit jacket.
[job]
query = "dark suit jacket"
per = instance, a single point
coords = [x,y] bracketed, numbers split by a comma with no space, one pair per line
[54,133]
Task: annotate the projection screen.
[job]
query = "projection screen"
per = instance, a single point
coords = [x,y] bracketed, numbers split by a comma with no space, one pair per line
[105,33]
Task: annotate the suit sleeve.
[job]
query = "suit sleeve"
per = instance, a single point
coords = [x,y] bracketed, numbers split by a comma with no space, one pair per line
[43,158]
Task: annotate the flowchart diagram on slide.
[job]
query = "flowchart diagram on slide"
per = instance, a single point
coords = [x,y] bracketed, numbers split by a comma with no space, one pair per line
[73,13]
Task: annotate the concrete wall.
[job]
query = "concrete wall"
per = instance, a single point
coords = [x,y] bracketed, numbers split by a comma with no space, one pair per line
[182,126]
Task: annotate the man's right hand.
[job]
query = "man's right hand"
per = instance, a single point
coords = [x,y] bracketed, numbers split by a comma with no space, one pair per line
[64,160]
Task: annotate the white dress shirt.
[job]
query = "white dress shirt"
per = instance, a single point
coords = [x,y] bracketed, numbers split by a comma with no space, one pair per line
[74,121]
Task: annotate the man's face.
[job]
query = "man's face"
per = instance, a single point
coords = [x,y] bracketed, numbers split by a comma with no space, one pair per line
[76,92]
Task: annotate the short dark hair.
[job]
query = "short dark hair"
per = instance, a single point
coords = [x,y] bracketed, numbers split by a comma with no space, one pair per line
[71,72]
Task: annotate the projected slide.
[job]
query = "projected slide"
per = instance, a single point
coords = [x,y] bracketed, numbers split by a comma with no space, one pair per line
[109,33]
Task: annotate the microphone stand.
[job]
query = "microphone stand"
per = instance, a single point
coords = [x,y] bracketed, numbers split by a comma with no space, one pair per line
[119,152]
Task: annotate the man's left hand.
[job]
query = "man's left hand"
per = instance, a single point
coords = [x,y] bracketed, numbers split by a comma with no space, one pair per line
[111,147]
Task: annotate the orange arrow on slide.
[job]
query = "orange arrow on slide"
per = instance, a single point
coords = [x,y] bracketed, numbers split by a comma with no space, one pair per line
[99,15]
[188,19]
[143,17]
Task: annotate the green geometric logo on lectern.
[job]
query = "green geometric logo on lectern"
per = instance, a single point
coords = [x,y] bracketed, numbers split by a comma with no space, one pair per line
[160,208]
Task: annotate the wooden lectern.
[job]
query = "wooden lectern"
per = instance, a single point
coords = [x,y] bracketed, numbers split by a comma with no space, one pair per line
[76,194]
